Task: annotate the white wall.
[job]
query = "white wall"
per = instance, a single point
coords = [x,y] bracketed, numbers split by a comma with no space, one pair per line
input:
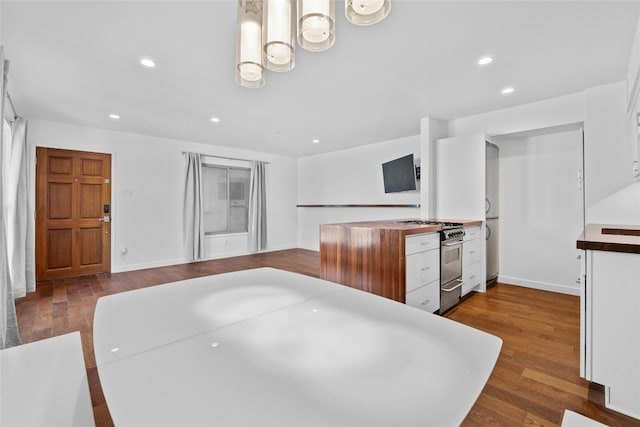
[536,115]
[430,131]
[541,210]
[352,176]
[147,193]
[607,154]
[622,207]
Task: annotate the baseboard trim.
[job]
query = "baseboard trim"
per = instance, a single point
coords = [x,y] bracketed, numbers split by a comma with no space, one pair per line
[552,287]
[146,265]
[167,263]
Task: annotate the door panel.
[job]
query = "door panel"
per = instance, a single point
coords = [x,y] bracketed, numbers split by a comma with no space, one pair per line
[59,248]
[90,246]
[72,238]
[60,165]
[91,200]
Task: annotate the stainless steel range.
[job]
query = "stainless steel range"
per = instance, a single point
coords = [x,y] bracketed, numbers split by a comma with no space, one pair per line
[451,237]
[450,265]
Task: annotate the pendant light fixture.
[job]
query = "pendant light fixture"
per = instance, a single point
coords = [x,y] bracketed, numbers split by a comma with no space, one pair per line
[249,68]
[366,12]
[266,31]
[278,30]
[316,24]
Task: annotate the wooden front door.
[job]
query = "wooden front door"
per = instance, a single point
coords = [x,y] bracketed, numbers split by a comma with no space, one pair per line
[73,211]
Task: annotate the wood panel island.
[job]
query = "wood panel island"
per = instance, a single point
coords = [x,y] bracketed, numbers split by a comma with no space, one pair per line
[371,255]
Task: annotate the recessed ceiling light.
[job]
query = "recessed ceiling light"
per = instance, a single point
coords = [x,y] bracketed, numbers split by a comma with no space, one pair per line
[316,141]
[507,90]
[486,60]
[215,119]
[147,62]
[114,117]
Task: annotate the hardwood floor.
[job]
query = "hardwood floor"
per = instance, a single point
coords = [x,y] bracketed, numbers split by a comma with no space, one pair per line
[535,379]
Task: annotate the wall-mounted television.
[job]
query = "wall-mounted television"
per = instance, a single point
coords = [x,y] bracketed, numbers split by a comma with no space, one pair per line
[399,175]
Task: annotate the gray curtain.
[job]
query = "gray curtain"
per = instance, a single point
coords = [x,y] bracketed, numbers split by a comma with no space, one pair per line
[9,335]
[193,216]
[257,207]
[20,216]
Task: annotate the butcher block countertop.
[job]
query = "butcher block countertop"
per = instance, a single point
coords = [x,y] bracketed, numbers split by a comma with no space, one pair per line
[396,224]
[611,238]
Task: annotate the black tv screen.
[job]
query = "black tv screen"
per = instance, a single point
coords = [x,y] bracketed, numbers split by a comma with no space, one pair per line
[399,175]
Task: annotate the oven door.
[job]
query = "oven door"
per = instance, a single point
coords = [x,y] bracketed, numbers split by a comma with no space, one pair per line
[450,261]
[450,294]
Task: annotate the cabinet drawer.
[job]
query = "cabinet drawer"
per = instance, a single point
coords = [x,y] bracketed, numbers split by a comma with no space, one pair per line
[470,252]
[470,277]
[422,268]
[471,233]
[426,297]
[421,242]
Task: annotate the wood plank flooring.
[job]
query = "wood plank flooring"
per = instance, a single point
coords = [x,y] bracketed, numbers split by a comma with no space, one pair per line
[535,379]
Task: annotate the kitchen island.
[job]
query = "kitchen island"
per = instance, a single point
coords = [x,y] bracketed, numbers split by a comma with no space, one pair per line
[610,318]
[371,255]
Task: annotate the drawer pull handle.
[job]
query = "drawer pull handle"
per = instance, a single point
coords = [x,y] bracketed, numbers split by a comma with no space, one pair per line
[453,288]
[472,252]
[425,268]
[472,276]
[425,302]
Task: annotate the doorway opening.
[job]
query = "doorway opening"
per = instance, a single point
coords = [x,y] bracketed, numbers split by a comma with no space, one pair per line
[542,207]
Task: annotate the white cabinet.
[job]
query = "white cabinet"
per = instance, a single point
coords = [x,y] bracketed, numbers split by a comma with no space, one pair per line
[460,190]
[471,256]
[415,243]
[610,330]
[426,297]
[422,253]
[422,268]
[460,177]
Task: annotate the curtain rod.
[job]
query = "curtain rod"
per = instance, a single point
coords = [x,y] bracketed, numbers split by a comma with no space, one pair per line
[224,158]
[13,108]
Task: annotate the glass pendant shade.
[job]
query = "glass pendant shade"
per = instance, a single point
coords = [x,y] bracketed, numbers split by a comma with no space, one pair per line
[278,30]
[366,12]
[316,23]
[249,69]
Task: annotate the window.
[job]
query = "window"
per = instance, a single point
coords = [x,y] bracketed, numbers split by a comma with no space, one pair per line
[225,195]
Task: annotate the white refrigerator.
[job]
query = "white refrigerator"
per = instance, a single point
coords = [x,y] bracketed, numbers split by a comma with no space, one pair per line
[492,207]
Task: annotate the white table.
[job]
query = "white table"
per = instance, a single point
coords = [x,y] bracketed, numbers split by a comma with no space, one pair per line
[268,347]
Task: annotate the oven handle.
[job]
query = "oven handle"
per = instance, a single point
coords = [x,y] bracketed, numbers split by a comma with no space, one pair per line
[455,287]
[457,242]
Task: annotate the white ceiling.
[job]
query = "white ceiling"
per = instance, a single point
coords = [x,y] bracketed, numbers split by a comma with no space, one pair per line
[77,62]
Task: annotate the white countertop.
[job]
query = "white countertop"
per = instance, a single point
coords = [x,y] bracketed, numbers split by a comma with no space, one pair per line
[44,383]
[268,347]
